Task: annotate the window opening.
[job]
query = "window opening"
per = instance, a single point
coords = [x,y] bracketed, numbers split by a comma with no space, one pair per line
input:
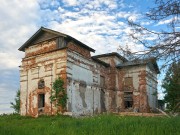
[128,100]
[41,102]
[41,84]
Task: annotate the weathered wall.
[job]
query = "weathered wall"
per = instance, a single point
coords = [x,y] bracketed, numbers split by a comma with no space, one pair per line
[138,88]
[85,96]
[91,87]
[151,88]
[46,66]
[84,52]
[40,48]
[112,60]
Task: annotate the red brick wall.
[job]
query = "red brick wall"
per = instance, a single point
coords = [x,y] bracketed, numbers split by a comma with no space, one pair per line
[40,48]
[79,50]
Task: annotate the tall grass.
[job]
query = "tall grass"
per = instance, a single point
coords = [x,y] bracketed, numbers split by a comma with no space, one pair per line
[98,125]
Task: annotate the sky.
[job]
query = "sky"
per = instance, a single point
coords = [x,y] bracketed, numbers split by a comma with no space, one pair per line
[100,24]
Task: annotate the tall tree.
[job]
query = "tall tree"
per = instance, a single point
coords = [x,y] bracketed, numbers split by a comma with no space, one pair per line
[16,105]
[171,84]
[166,43]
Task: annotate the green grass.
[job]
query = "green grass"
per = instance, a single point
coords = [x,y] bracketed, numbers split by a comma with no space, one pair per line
[98,125]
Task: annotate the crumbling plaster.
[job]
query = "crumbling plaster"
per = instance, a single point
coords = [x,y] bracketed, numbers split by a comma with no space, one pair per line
[83,78]
[47,66]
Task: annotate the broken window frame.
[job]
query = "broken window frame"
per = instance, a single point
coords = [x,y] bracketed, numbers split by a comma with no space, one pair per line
[128,81]
[128,84]
[128,100]
[41,84]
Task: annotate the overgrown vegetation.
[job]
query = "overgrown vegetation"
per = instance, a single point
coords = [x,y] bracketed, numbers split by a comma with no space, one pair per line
[171,84]
[98,125]
[59,96]
[16,105]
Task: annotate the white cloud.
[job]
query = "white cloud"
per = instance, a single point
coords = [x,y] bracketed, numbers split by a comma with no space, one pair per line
[92,27]
[132,16]
[18,21]
[124,14]
[146,22]
[167,21]
[70,2]
[9,60]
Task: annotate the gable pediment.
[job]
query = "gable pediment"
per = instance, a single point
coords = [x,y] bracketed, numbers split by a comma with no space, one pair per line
[41,35]
[44,34]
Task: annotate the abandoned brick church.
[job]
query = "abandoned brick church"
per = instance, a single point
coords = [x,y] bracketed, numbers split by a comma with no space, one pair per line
[94,84]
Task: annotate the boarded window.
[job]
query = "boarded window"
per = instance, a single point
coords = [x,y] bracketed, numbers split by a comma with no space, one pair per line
[102,81]
[41,84]
[128,84]
[61,42]
[128,81]
[128,96]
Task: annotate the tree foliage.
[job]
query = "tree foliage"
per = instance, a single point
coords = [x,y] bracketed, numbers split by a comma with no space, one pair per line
[171,84]
[59,96]
[165,44]
[16,105]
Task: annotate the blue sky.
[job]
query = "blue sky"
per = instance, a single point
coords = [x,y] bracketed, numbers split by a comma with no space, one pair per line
[101,24]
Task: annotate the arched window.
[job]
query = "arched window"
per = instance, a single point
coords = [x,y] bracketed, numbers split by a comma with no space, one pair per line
[41,84]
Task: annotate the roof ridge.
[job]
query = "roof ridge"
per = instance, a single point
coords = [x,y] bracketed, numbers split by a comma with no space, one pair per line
[111,54]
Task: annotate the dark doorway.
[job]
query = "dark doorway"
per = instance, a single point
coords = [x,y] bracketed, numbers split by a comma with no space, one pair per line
[128,104]
[102,100]
[128,100]
[41,101]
